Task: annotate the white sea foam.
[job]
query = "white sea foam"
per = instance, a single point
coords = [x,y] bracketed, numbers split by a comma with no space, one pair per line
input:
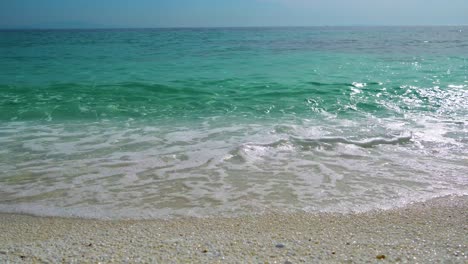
[111,170]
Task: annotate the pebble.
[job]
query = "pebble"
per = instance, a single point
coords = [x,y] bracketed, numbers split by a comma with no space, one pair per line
[381,256]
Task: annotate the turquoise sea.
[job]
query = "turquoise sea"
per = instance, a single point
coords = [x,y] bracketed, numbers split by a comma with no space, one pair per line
[151,123]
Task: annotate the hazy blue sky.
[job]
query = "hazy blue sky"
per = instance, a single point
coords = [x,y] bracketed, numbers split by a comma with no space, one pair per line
[195,13]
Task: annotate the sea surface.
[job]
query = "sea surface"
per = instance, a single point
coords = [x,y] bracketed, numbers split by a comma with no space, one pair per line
[156,123]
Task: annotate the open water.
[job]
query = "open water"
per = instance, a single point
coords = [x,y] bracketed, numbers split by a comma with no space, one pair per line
[152,123]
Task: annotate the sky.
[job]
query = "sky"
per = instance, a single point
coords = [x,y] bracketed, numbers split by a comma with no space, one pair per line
[228,13]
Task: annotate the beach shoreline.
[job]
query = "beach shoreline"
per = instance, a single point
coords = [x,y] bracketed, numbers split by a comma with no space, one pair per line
[432,231]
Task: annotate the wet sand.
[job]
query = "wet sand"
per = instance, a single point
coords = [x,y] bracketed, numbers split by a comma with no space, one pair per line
[434,231]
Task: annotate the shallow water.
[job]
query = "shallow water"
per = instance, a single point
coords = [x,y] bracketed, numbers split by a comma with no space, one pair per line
[174,122]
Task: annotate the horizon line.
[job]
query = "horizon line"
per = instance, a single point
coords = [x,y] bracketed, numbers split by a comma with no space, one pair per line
[225,27]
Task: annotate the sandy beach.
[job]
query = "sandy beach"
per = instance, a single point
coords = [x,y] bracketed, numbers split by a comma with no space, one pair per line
[435,231]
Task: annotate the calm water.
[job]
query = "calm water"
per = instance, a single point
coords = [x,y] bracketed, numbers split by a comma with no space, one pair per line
[174,122]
